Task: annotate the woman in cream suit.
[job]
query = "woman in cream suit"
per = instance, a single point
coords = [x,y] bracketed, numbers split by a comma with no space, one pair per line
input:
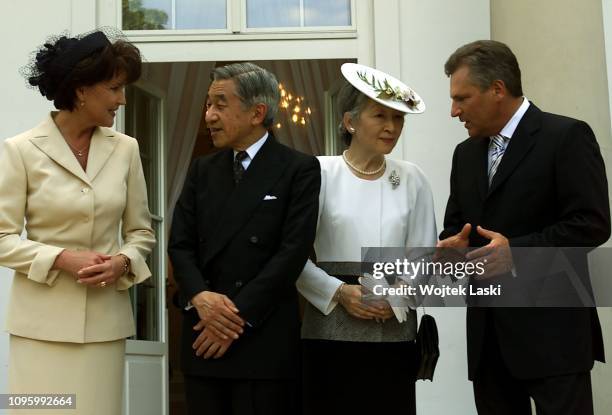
[79,187]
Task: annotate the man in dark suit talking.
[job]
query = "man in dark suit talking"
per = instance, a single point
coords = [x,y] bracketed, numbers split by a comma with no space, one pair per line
[530,179]
[242,231]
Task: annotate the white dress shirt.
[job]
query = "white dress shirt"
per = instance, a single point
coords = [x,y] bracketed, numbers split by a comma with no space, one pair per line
[509,128]
[252,151]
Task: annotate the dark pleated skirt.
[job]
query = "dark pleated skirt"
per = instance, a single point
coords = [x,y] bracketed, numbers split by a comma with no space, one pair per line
[358,378]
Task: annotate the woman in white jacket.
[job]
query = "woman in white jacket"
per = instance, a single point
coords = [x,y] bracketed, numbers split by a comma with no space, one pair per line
[360,357]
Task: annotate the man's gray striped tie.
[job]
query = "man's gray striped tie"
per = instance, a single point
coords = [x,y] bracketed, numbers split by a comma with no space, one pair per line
[497,148]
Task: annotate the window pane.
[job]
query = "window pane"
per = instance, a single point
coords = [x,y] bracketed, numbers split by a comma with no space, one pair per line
[273,13]
[198,14]
[147,14]
[174,14]
[327,12]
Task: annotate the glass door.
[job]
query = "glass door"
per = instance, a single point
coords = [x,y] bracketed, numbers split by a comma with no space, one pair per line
[146,385]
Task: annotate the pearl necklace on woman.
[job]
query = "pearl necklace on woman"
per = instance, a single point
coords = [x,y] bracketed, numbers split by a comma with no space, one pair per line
[364,172]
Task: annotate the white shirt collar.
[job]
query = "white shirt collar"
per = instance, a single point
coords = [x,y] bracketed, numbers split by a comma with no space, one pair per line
[510,127]
[252,150]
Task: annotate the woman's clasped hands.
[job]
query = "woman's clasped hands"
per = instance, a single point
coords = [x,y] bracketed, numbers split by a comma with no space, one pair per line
[91,268]
[350,297]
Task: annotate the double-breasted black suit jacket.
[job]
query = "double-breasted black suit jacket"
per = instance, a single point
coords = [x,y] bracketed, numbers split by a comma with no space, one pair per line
[249,242]
[550,190]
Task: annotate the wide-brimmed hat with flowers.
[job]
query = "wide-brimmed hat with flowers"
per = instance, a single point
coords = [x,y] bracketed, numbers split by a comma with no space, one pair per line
[383,88]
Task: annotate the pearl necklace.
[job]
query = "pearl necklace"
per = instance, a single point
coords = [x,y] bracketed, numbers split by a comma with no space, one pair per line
[364,172]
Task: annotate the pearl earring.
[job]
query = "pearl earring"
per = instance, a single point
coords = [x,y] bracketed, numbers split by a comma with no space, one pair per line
[82,103]
[351,130]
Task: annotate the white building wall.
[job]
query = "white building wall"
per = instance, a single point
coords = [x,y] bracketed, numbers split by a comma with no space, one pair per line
[607,26]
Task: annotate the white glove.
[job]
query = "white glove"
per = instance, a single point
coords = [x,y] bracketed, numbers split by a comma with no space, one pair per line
[399,304]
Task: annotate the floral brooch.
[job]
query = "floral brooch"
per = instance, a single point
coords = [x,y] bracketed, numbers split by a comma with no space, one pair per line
[394,179]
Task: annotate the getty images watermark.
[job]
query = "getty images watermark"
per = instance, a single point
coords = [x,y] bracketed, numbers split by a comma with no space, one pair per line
[408,271]
[513,277]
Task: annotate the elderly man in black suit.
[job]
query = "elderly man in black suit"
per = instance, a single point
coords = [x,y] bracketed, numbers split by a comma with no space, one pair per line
[242,231]
[523,178]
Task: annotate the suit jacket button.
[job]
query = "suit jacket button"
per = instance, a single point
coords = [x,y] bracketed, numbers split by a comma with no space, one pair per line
[254,239]
[207,282]
[201,239]
[238,284]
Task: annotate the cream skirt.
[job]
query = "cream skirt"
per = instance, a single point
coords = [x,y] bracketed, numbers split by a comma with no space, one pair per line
[91,371]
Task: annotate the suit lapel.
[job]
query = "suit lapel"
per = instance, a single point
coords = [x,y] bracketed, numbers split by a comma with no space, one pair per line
[522,141]
[263,172]
[103,144]
[220,182]
[48,139]
[481,160]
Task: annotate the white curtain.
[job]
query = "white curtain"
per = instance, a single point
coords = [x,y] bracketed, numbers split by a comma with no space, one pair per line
[309,79]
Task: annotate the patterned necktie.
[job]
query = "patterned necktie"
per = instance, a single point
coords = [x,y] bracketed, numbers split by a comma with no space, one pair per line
[496,151]
[238,167]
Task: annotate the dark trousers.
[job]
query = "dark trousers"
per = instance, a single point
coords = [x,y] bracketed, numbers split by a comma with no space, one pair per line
[214,396]
[358,378]
[498,392]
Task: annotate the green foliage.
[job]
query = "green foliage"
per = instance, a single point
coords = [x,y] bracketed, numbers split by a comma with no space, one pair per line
[386,91]
[136,17]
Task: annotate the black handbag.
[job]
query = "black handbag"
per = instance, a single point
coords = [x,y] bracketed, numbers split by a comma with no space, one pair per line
[427,348]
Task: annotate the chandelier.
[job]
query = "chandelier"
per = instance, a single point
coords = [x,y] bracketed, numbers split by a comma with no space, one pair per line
[295,107]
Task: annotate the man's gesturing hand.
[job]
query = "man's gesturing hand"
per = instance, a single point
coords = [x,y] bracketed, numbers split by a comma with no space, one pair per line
[496,255]
[460,240]
[219,314]
[453,248]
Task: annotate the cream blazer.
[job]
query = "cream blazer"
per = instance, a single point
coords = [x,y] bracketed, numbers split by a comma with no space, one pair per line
[103,209]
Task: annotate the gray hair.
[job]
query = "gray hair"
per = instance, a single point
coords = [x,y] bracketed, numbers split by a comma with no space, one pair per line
[254,85]
[488,61]
[350,100]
